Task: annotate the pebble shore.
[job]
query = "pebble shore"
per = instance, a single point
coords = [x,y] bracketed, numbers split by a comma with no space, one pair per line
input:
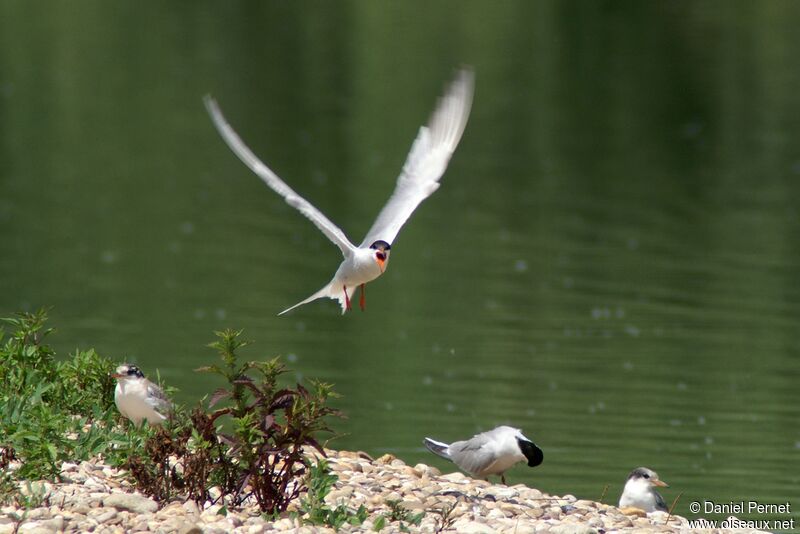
[97,498]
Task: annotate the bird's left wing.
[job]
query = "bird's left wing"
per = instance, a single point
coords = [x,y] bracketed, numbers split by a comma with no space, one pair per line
[661,504]
[157,398]
[427,160]
[474,455]
[331,231]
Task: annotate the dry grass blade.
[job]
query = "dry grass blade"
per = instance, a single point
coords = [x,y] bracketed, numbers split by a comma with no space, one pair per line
[671,508]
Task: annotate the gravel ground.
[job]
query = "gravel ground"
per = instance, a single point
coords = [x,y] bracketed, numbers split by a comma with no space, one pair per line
[98,498]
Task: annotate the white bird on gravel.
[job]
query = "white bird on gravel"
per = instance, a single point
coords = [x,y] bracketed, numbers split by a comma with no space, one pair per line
[640,491]
[137,398]
[489,453]
[425,164]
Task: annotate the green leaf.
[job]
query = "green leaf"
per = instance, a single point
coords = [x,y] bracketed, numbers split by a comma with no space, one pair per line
[51,449]
[416,519]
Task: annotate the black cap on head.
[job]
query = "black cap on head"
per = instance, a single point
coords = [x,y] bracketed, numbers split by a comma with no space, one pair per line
[531,451]
[134,371]
[381,245]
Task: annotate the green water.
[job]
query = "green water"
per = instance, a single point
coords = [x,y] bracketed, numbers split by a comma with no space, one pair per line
[612,262]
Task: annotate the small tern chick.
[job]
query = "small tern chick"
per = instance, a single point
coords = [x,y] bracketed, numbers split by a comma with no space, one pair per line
[489,453]
[137,398]
[640,491]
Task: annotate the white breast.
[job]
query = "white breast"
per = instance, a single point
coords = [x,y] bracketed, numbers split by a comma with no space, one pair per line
[131,398]
[638,494]
[358,269]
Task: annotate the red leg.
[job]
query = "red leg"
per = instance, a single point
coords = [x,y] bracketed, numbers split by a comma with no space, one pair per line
[363,300]
[346,299]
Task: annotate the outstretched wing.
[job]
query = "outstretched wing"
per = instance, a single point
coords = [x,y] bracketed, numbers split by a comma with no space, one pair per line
[427,160]
[333,232]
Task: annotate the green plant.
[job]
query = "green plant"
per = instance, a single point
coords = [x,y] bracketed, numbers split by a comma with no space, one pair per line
[271,425]
[446,518]
[398,513]
[150,465]
[182,456]
[260,455]
[24,351]
[34,495]
[8,486]
[85,383]
[52,412]
[46,406]
[320,481]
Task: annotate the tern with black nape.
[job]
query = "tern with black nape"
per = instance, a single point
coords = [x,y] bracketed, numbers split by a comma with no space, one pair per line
[137,398]
[489,453]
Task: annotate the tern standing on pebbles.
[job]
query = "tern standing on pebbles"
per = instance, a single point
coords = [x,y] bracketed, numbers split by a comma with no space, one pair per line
[137,398]
[640,491]
[489,453]
[425,164]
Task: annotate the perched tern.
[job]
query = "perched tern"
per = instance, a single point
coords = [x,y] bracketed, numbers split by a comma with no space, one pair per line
[137,398]
[640,491]
[489,453]
[425,164]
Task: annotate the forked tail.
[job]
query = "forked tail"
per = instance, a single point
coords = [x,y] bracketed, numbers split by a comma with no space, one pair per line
[437,447]
[327,291]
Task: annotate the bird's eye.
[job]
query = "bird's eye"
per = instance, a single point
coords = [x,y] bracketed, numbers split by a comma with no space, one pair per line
[646,475]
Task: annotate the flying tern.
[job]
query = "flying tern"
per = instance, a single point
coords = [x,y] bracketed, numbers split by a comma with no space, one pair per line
[424,166]
[640,491]
[489,453]
[137,398]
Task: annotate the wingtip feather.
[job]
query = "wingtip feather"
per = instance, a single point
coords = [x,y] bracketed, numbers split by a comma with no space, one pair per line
[437,447]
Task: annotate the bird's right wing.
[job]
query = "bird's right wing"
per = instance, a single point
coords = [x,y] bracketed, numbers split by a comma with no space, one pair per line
[426,162]
[333,232]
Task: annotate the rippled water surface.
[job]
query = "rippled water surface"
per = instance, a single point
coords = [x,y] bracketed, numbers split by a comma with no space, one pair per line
[612,262]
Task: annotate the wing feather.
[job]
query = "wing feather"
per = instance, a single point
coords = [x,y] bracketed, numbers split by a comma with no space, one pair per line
[331,231]
[474,455]
[426,162]
[660,502]
[157,399]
